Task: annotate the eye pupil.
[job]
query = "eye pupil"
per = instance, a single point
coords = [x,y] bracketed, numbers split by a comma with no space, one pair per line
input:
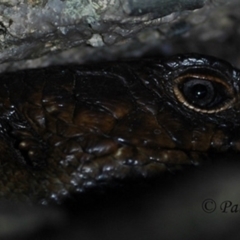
[199,92]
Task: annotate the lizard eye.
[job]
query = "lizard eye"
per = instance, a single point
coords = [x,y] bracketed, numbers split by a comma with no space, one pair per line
[208,93]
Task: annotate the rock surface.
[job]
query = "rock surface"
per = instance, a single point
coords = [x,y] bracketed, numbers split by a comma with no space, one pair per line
[58,32]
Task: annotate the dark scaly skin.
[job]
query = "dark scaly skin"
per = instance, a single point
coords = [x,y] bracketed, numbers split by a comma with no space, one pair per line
[67,129]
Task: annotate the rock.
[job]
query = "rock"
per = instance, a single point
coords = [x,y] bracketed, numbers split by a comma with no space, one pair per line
[76,30]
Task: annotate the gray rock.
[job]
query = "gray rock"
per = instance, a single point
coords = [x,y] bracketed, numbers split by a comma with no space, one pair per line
[33,28]
[77,30]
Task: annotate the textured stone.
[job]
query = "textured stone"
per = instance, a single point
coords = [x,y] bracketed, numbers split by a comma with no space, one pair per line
[30,29]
